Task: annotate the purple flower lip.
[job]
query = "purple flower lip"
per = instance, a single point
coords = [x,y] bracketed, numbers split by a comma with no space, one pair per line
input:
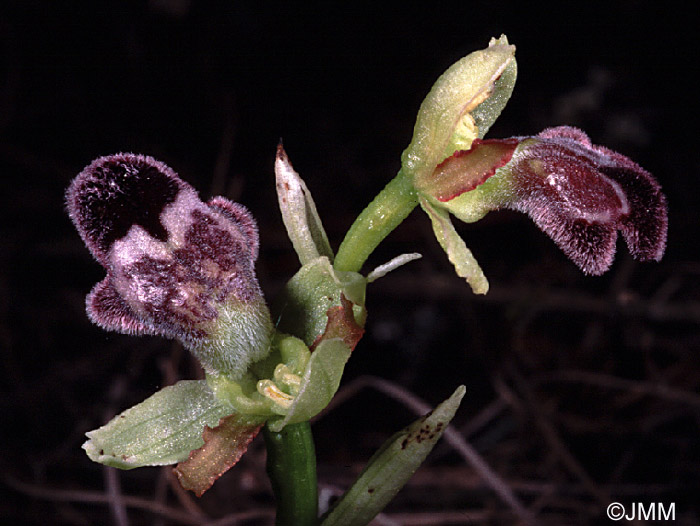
[578,193]
[176,266]
[581,194]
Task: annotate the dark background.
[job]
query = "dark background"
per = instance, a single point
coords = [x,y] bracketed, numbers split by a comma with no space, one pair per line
[580,391]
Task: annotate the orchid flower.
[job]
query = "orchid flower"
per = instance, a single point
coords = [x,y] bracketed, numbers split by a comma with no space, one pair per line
[578,193]
[181,268]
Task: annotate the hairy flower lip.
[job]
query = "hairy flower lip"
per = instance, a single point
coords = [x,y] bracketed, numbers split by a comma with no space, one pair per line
[583,194]
[176,266]
[109,181]
[576,192]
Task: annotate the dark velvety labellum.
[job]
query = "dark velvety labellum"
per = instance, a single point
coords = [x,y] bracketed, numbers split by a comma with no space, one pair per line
[116,192]
[206,240]
[180,295]
[176,266]
[161,286]
[174,294]
[581,194]
[139,197]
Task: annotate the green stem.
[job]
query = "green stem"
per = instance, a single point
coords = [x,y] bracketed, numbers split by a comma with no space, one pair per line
[391,206]
[291,466]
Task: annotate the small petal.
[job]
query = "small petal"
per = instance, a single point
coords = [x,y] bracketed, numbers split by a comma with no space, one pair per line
[467,169]
[457,252]
[390,266]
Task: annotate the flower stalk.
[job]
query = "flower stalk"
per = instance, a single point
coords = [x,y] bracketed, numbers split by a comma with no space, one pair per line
[291,466]
[388,209]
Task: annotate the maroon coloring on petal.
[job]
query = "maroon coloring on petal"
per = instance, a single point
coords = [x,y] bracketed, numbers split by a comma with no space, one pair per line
[645,227]
[566,132]
[581,195]
[239,214]
[466,169]
[106,308]
[591,246]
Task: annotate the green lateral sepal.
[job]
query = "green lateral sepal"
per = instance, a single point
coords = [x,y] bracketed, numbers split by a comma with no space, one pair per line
[161,430]
[318,384]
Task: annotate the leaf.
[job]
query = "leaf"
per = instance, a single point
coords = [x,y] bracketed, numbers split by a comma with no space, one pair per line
[161,430]
[223,447]
[318,384]
[392,466]
[459,255]
[299,213]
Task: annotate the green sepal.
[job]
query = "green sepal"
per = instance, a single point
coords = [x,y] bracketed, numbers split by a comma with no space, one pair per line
[457,252]
[486,113]
[319,383]
[161,430]
[392,466]
[462,105]
[312,291]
